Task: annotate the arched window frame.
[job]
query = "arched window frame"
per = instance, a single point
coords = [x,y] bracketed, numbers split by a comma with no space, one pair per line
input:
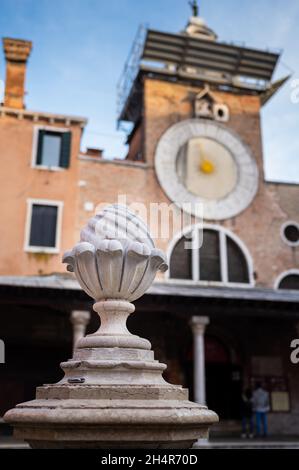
[284,274]
[223,232]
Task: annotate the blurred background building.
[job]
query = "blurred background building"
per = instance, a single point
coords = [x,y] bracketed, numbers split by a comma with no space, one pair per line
[224,315]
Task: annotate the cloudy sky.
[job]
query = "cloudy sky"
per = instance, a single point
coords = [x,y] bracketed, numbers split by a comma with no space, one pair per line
[80,47]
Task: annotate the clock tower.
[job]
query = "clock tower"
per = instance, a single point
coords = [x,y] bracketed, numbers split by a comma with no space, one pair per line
[195,103]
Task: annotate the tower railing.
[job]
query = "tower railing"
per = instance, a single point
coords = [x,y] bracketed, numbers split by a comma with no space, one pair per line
[130,71]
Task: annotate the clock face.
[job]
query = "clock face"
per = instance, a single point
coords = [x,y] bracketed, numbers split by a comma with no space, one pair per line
[206,168]
[204,162]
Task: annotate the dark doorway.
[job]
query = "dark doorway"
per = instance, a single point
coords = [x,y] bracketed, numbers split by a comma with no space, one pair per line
[223,380]
[224,389]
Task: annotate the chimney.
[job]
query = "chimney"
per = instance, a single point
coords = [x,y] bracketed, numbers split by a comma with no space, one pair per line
[16,53]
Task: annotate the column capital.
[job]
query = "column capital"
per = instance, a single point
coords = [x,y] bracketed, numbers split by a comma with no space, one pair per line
[80,317]
[199,324]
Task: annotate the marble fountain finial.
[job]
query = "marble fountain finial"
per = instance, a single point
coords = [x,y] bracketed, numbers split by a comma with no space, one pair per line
[113,394]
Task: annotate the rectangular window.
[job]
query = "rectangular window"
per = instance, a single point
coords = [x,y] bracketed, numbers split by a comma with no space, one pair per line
[53,148]
[43,226]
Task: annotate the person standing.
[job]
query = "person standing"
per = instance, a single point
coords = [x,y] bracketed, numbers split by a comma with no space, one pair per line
[246,413]
[261,407]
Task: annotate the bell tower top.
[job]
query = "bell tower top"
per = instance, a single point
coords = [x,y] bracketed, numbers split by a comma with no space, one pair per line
[197,58]
[196,26]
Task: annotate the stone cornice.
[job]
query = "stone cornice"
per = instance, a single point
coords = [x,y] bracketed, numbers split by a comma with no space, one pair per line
[163,288]
[127,163]
[37,116]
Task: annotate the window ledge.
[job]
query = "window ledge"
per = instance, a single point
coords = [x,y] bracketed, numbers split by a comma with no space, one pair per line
[48,168]
[42,250]
[189,282]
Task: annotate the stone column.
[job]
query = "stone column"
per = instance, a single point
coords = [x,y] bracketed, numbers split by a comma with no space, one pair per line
[198,325]
[79,320]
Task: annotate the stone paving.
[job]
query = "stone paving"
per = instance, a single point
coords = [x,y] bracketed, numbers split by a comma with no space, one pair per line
[7,442]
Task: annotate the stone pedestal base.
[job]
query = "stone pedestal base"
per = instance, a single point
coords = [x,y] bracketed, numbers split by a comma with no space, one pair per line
[96,416]
[113,395]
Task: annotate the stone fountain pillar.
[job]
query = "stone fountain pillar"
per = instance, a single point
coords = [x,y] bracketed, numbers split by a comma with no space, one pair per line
[79,320]
[113,394]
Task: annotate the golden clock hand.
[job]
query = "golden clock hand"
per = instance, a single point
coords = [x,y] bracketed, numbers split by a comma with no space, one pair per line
[205,165]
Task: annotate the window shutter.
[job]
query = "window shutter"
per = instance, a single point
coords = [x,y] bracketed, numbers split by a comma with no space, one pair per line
[43,226]
[66,139]
[39,154]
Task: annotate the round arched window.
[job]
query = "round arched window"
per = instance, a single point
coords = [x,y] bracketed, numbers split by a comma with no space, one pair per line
[220,258]
[289,281]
